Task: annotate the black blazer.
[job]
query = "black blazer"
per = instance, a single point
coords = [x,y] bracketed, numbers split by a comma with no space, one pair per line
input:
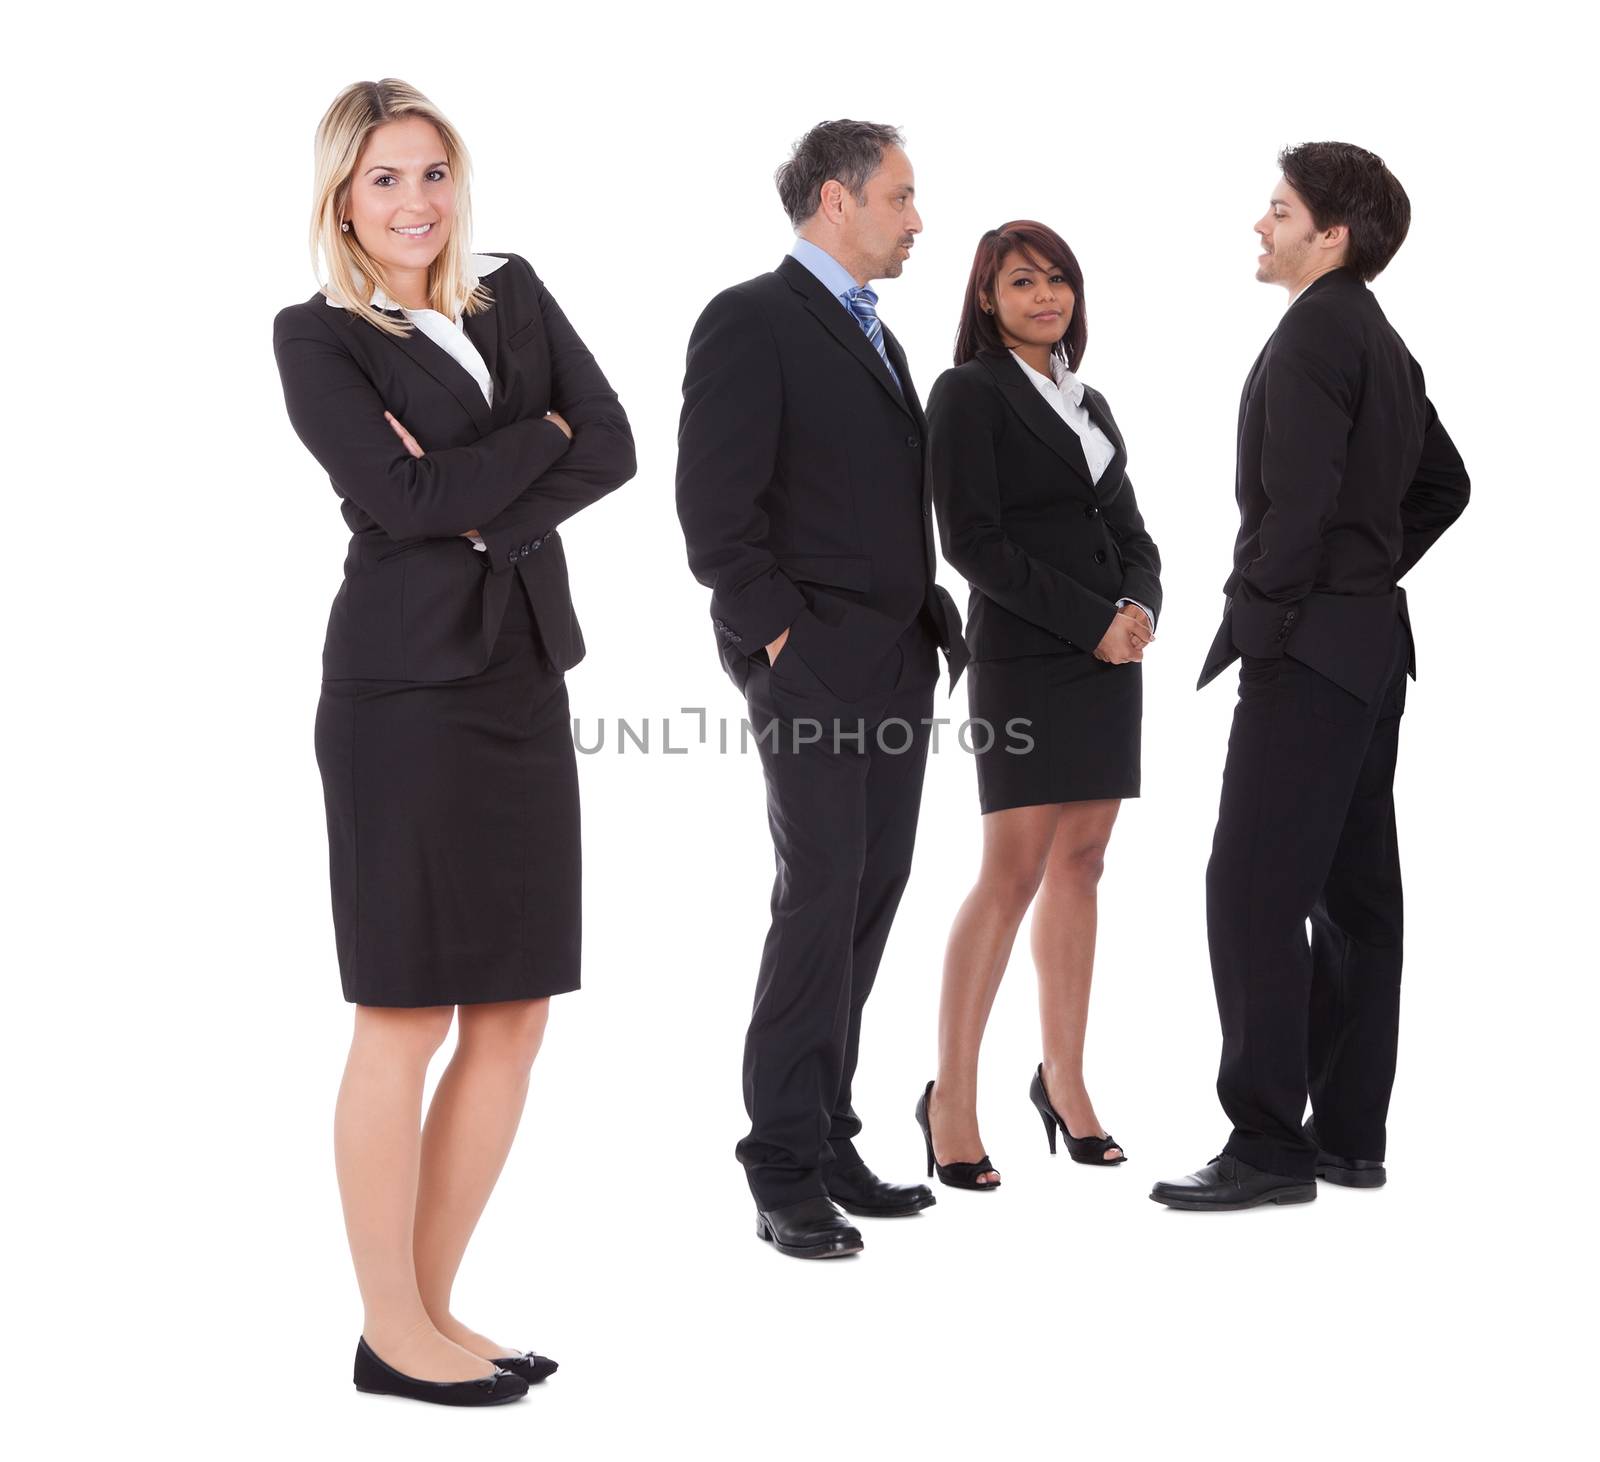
[418,602]
[801,484]
[1047,551]
[1345,479]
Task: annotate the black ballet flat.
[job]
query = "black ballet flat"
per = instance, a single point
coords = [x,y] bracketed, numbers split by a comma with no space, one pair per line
[532,1368]
[953,1174]
[374,1376]
[1091,1151]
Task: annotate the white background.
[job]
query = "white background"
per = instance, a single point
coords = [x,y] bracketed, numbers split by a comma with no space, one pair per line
[178,1276]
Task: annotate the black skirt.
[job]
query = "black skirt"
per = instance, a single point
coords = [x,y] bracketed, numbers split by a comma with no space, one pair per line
[1061,728]
[453,832]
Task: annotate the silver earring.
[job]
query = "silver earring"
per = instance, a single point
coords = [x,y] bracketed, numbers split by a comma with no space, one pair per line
[344,227]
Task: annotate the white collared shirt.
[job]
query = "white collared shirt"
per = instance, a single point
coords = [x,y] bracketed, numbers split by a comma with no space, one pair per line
[1065,395]
[450,336]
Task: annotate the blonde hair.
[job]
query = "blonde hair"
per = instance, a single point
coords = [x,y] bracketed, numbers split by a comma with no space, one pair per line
[351,274]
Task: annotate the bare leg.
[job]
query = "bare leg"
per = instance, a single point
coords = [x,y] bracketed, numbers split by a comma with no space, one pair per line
[1016,844]
[471,1122]
[376,1145]
[1063,953]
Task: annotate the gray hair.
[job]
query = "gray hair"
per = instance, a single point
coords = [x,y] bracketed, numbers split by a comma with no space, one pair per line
[844,151]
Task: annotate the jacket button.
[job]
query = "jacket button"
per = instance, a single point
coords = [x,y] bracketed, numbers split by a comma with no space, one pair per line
[913,441]
[1099,555]
[1292,614]
[1092,511]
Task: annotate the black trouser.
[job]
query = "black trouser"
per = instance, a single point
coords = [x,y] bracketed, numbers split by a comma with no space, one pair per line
[843,814]
[1306,831]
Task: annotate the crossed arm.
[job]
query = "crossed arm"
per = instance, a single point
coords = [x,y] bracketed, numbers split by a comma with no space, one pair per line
[524,475]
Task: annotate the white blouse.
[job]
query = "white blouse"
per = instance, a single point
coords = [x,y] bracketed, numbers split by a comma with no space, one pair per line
[1065,395]
[450,336]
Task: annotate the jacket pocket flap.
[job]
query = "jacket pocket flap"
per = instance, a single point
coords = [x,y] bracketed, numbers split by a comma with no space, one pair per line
[837,571]
[525,334]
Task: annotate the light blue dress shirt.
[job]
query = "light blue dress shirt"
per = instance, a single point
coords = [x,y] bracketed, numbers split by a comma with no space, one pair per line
[839,282]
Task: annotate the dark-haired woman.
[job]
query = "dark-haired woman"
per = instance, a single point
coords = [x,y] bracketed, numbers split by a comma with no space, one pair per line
[460,419]
[1036,510]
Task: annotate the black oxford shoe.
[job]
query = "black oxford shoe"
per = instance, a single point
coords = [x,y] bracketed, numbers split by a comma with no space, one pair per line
[1226,1183]
[1347,1172]
[810,1229]
[861,1191]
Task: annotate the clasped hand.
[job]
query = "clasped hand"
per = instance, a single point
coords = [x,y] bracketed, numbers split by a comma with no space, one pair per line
[1125,640]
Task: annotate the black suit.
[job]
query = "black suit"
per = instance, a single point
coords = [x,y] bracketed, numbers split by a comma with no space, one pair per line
[443,731]
[1048,553]
[418,603]
[1345,478]
[804,502]
[1048,549]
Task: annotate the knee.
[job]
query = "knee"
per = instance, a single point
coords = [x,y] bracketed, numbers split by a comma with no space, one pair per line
[409,1034]
[1011,886]
[1080,867]
[507,1034]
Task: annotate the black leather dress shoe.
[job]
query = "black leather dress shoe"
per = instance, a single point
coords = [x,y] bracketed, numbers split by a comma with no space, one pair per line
[861,1191]
[1225,1183]
[1347,1172]
[532,1368]
[810,1229]
[378,1378]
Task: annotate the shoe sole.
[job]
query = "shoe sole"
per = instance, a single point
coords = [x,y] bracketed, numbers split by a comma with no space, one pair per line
[428,1401]
[858,1212]
[1304,1194]
[1352,1177]
[806,1251]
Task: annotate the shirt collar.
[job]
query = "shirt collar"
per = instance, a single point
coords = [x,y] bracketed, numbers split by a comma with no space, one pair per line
[835,278]
[482,264]
[1060,378]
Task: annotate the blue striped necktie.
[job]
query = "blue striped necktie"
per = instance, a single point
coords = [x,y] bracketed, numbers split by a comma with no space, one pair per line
[863,304]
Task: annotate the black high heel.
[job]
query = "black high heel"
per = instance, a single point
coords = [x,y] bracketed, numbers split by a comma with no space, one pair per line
[375,1375]
[953,1174]
[1091,1151]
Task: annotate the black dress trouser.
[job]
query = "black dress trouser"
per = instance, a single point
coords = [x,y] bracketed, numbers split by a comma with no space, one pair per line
[1306,831]
[843,814]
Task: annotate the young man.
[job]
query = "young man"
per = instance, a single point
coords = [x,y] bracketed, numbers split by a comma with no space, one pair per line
[806,512]
[1345,479]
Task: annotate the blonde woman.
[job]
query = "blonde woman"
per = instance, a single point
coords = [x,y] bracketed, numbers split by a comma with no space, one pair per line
[460,419]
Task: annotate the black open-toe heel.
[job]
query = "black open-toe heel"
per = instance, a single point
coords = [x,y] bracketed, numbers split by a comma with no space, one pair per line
[953,1174]
[1091,1151]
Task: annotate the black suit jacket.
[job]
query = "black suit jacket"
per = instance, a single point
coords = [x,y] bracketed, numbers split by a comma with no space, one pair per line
[1345,479]
[801,485]
[418,602]
[1047,550]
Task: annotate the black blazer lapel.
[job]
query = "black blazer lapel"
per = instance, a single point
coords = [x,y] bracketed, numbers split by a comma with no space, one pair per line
[1101,417]
[447,371]
[841,324]
[908,390]
[483,330]
[1036,413]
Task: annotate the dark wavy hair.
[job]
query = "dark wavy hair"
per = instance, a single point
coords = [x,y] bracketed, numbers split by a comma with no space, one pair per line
[978,329]
[1343,183]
